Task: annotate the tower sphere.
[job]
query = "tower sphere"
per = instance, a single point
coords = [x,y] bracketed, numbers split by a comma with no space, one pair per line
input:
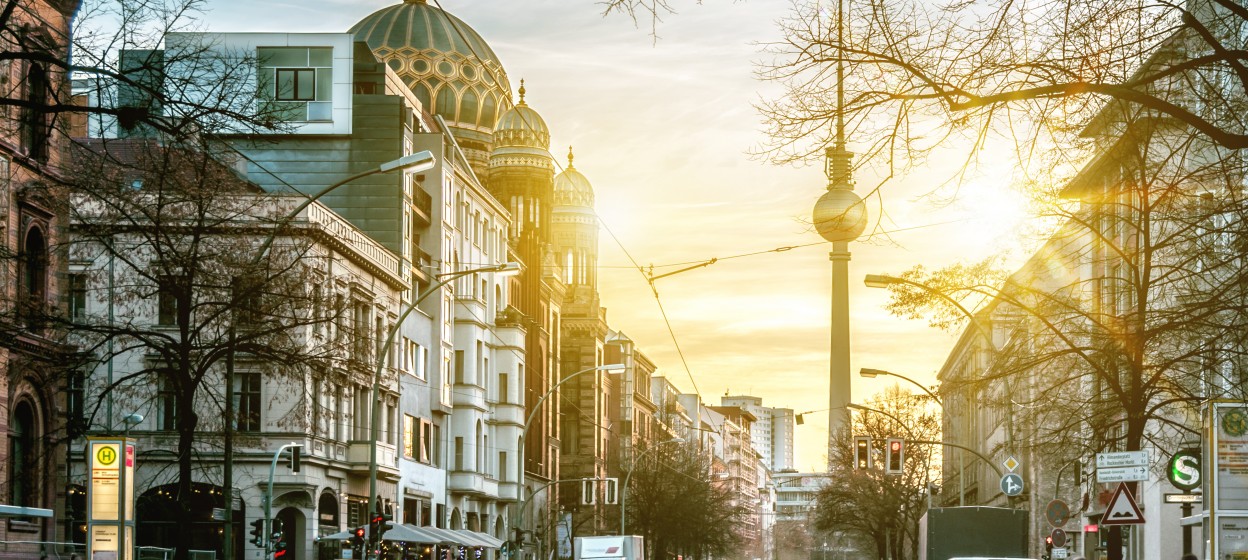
[840,215]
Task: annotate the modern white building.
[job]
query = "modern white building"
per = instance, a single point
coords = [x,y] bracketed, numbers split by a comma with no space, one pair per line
[771,433]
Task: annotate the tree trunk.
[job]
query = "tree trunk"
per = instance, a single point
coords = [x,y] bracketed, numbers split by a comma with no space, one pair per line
[187,422]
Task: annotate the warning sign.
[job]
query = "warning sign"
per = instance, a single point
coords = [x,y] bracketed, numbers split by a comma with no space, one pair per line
[1122,509]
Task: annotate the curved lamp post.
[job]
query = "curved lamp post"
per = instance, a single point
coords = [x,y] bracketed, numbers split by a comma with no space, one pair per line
[624,489]
[528,422]
[504,269]
[411,163]
[885,281]
[871,373]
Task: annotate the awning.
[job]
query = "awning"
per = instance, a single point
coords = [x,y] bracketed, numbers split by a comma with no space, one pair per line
[20,511]
[398,533]
[450,536]
[488,540]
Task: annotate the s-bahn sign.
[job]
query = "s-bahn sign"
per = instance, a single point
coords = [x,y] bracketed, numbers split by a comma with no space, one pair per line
[1184,470]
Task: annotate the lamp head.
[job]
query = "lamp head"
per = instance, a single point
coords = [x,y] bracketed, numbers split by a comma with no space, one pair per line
[133,419]
[856,406]
[870,373]
[879,280]
[509,268]
[611,368]
[411,163]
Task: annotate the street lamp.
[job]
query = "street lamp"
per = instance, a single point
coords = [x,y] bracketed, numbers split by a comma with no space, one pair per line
[871,373]
[504,269]
[528,422]
[129,421]
[629,476]
[886,281]
[410,163]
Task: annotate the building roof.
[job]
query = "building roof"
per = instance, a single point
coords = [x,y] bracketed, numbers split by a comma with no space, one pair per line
[449,67]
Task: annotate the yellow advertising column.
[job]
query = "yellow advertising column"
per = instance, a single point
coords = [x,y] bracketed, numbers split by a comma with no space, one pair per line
[110,499]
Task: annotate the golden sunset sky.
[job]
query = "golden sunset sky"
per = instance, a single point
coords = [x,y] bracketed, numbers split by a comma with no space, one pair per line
[663,129]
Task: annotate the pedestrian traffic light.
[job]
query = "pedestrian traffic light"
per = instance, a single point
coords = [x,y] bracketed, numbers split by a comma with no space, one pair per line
[896,449]
[257,532]
[357,535]
[862,453]
[296,458]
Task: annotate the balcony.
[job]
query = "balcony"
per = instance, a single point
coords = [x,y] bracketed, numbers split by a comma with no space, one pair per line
[508,491]
[422,206]
[473,483]
[468,396]
[509,414]
[387,458]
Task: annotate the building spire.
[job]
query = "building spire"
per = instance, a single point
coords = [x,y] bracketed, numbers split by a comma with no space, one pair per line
[837,159]
[570,157]
[521,92]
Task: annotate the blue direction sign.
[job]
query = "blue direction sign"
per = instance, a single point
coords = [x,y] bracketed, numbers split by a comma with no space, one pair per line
[1012,484]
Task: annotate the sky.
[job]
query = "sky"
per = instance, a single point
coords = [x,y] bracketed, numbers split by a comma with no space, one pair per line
[663,129]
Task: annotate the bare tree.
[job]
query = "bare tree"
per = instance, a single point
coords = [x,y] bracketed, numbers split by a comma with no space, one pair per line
[1130,316]
[178,298]
[921,77]
[873,508]
[676,505]
[124,74]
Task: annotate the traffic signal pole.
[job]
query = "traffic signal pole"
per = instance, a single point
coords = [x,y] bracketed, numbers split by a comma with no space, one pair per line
[268,499]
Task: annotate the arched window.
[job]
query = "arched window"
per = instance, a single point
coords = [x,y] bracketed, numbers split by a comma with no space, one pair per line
[34,273]
[35,129]
[22,472]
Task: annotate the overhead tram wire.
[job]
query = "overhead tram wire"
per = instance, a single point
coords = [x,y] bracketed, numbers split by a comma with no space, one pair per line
[524,119]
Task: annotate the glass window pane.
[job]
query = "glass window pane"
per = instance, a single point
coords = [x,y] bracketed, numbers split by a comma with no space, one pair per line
[321,56]
[285,89]
[324,84]
[284,56]
[304,84]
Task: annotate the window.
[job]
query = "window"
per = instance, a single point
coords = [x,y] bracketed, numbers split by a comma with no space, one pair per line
[410,436]
[22,456]
[502,388]
[459,453]
[247,401]
[167,293]
[425,443]
[34,274]
[295,84]
[77,296]
[299,80]
[459,367]
[167,403]
[502,466]
[35,125]
[435,445]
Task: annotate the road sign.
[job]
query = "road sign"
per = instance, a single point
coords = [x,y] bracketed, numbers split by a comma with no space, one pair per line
[1184,469]
[1121,474]
[1122,509]
[1059,538]
[1011,463]
[1184,498]
[1012,484]
[1057,513]
[1122,459]
[1059,553]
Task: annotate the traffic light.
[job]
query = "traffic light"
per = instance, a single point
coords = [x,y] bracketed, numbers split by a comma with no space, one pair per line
[896,460]
[1048,548]
[278,539]
[257,532]
[357,541]
[862,453]
[296,457]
